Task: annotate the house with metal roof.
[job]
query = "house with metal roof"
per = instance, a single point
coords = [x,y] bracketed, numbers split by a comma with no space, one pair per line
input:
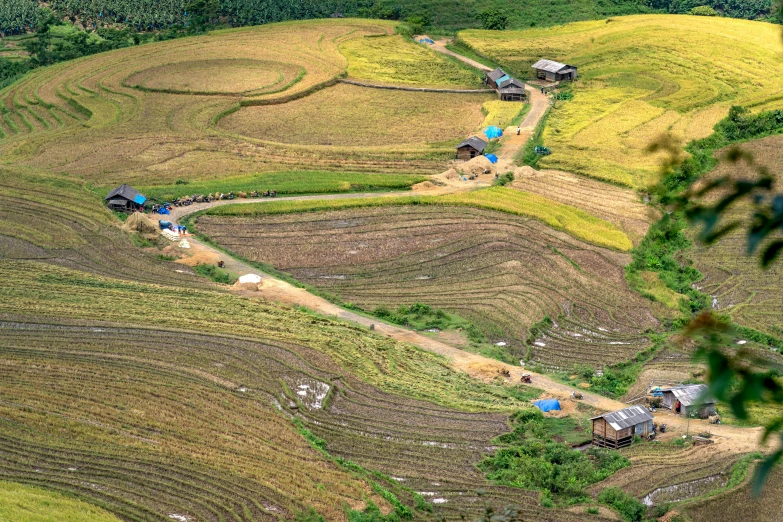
[125,198]
[689,399]
[617,429]
[553,71]
[470,148]
[492,77]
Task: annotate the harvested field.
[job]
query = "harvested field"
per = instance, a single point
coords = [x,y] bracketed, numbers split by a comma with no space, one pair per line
[659,465]
[116,117]
[394,60]
[637,83]
[738,284]
[502,272]
[741,505]
[223,404]
[351,116]
[619,206]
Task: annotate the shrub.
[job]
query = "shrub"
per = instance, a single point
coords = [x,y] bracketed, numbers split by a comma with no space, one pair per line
[214,273]
[629,508]
[703,10]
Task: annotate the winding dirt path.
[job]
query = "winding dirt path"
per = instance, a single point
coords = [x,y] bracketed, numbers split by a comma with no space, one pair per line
[477,366]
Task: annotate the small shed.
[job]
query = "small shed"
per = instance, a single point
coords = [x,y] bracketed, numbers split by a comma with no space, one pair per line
[492,77]
[553,71]
[470,148]
[125,198]
[616,430]
[689,399]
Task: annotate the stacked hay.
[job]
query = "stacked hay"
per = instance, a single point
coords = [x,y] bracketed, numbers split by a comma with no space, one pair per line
[138,222]
[450,174]
[242,194]
[424,185]
[476,166]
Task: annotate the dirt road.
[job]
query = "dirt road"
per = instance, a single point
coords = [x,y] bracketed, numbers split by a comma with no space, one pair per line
[512,143]
[477,366]
[440,46]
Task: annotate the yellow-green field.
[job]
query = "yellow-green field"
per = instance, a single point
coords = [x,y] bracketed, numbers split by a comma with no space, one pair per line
[569,219]
[19,503]
[395,60]
[148,115]
[347,117]
[501,113]
[640,77]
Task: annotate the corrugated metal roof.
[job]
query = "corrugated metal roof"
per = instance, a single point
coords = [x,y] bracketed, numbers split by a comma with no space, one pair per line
[690,394]
[497,73]
[127,192]
[476,143]
[627,417]
[550,66]
[510,82]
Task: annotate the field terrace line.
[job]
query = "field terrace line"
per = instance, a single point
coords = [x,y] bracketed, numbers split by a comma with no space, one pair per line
[740,439]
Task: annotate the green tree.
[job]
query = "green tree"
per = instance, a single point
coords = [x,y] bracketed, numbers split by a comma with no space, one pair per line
[493,19]
[202,14]
[703,10]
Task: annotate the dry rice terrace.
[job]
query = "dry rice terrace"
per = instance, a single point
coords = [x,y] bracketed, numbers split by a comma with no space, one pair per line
[637,82]
[502,272]
[751,295]
[148,115]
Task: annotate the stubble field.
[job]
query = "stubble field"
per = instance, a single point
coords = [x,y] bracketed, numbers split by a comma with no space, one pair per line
[502,272]
[638,83]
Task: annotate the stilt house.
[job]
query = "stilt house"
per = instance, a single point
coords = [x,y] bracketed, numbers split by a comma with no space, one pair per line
[553,71]
[470,148]
[689,399]
[508,87]
[617,429]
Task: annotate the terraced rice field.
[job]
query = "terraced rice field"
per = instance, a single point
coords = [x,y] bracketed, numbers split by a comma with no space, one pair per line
[637,83]
[622,207]
[393,60]
[753,296]
[347,116]
[502,272]
[741,504]
[147,115]
[227,376]
[655,466]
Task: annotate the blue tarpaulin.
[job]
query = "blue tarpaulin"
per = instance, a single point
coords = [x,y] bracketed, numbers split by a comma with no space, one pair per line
[502,79]
[493,132]
[139,200]
[547,404]
[164,210]
[491,157]
[427,41]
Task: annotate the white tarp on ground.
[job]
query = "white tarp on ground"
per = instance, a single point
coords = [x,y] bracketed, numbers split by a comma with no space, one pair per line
[170,235]
[250,278]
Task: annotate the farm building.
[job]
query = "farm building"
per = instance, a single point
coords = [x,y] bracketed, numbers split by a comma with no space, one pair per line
[689,399]
[125,198]
[492,77]
[509,88]
[470,148]
[617,429]
[553,71]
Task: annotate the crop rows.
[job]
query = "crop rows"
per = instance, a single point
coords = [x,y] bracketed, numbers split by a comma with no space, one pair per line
[216,442]
[504,273]
[638,82]
[148,114]
[619,206]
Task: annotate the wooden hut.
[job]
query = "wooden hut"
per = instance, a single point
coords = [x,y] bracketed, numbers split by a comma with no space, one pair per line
[470,148]
[492,77]
[689,399]
[512,89]
[553,71]
[125,199]
[617,429]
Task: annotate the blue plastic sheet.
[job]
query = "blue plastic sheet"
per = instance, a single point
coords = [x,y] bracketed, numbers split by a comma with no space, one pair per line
[492,158]
[547,404]
[493,132]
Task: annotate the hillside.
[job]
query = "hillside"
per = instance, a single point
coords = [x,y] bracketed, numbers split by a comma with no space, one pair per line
[404,307]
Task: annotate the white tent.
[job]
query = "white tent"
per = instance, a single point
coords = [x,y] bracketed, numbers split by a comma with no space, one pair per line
[250,278]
